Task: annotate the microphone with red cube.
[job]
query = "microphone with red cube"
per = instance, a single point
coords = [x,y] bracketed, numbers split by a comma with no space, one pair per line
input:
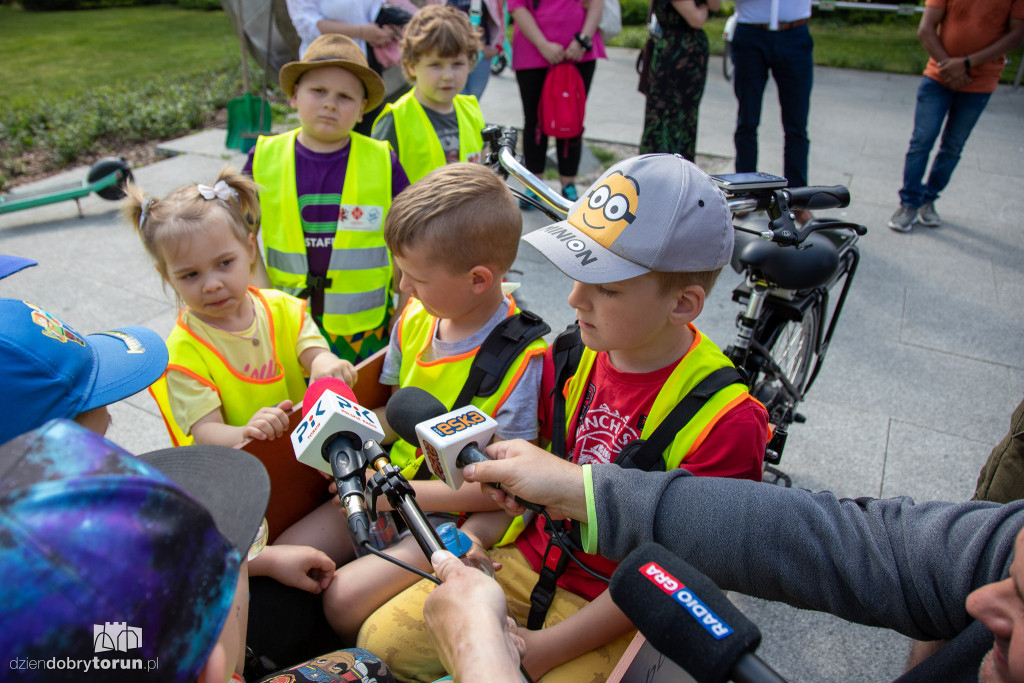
[331,438]
[341,437]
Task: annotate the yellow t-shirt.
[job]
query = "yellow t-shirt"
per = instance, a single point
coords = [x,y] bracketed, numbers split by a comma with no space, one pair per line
[191,400]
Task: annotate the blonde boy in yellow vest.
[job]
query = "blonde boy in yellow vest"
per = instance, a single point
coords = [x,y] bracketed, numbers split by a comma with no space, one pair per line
[645,244]
[325,191]
[454,234]
[432,124]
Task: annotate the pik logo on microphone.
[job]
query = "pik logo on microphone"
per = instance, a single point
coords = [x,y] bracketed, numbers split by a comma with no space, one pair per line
[675,588]
[458,423]
[330,402]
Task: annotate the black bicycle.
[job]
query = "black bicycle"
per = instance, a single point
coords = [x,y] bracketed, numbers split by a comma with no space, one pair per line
[791,274]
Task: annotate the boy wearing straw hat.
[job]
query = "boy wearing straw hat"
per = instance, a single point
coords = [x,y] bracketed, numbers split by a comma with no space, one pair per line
[325,193]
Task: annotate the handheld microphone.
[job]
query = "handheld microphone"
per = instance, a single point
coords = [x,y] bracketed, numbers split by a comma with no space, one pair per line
[449,440]
[330,437]
[687,618]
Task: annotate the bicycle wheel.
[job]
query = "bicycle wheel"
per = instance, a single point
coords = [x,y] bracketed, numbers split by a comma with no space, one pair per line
[791,346]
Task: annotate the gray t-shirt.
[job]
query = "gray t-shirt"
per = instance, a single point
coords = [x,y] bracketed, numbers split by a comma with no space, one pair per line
[517,417]
[446,127]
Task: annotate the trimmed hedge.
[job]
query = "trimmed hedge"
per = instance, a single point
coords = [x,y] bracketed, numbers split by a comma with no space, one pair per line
[158,109]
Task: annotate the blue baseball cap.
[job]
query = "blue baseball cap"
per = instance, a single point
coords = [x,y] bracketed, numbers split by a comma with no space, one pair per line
[12,264]
[109,560]
[48,370]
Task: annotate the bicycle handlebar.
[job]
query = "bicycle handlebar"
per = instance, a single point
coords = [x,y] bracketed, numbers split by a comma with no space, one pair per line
[778,203]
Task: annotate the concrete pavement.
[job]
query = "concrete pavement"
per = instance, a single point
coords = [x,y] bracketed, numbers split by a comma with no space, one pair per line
[925,368]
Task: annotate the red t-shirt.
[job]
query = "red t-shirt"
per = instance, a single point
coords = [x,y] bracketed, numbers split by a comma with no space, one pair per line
[614,409]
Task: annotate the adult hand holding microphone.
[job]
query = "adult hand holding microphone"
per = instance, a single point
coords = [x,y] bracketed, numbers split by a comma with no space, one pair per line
[533,474]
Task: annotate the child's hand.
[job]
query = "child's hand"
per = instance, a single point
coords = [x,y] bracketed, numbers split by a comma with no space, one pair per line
[328,365]
[298,566]
[268,423]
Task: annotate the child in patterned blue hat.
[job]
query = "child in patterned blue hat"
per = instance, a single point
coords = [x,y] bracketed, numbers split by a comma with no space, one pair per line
[117,568]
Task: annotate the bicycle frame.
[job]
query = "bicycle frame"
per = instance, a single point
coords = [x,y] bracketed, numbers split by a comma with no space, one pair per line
[771,293]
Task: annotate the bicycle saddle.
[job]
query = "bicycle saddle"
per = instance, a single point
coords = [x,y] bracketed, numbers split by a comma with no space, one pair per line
[786,267]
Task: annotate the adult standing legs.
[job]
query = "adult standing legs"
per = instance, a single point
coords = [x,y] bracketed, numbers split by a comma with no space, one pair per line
[679,69]
[964,112]
[933,103]
[792,68]
[535,144]
[750,60]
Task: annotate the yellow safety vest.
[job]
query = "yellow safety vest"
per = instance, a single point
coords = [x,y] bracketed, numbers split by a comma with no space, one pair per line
[419,149]
[444,377]
[240,396]
[360,268]
[703,358]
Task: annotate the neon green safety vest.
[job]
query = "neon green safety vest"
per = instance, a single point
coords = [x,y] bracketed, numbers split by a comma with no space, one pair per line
[419,149]
[703,358]
[240,396]
[444,377]
[360,268]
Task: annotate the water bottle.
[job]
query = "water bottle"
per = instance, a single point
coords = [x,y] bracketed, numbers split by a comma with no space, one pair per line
[458,544]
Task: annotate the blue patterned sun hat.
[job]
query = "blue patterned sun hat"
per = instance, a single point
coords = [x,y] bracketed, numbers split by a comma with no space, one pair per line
[107,564]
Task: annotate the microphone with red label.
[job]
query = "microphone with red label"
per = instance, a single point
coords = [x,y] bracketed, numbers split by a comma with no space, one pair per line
[450,440]
[685,616]
[330,437]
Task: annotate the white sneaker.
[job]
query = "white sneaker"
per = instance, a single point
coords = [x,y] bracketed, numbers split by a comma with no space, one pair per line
[903,219]
[928,216]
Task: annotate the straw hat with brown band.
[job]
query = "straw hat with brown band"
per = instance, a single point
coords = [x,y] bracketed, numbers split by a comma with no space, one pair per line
[334,49]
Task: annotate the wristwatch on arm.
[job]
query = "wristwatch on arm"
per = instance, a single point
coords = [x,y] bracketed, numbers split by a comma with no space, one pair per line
[584,41]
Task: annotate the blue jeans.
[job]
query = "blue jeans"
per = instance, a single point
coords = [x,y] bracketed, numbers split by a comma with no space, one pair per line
[937,103]
[478,77]
[789,55]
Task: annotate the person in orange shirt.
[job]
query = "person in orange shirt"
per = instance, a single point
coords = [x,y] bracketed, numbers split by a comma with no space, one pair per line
[967,41]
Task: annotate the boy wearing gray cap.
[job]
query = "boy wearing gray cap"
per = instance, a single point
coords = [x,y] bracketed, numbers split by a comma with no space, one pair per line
[645,245]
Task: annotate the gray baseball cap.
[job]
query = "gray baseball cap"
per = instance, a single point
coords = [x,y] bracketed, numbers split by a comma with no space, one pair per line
[655,212]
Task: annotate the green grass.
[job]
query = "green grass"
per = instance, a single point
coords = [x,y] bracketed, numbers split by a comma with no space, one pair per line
[64,54]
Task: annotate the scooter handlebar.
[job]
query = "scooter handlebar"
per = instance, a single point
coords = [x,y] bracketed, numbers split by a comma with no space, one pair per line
[818,197]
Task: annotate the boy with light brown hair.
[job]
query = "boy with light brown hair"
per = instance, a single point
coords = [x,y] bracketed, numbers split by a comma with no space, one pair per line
[454,235]
[644,244]
[432,124]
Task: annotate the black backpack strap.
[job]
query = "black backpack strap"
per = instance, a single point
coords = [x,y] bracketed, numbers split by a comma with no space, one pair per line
[507,340]
[566,353]
[648,456]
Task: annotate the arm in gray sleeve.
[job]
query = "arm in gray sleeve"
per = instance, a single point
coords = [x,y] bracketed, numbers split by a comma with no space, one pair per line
[891,563]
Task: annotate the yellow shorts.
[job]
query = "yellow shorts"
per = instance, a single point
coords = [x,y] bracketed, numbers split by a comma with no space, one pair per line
[397,634]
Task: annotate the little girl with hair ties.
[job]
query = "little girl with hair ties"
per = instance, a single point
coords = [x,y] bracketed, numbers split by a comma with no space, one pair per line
[238,354]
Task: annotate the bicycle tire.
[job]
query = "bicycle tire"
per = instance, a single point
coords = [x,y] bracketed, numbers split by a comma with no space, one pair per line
[792,346]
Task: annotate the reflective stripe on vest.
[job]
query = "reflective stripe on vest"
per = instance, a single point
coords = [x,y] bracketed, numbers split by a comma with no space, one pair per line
[419,149]
[354,302]
[703,358]
[240,396]
[445,377]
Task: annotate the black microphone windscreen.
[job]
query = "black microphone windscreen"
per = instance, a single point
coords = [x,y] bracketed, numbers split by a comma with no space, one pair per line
[682,613]
[409,406]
